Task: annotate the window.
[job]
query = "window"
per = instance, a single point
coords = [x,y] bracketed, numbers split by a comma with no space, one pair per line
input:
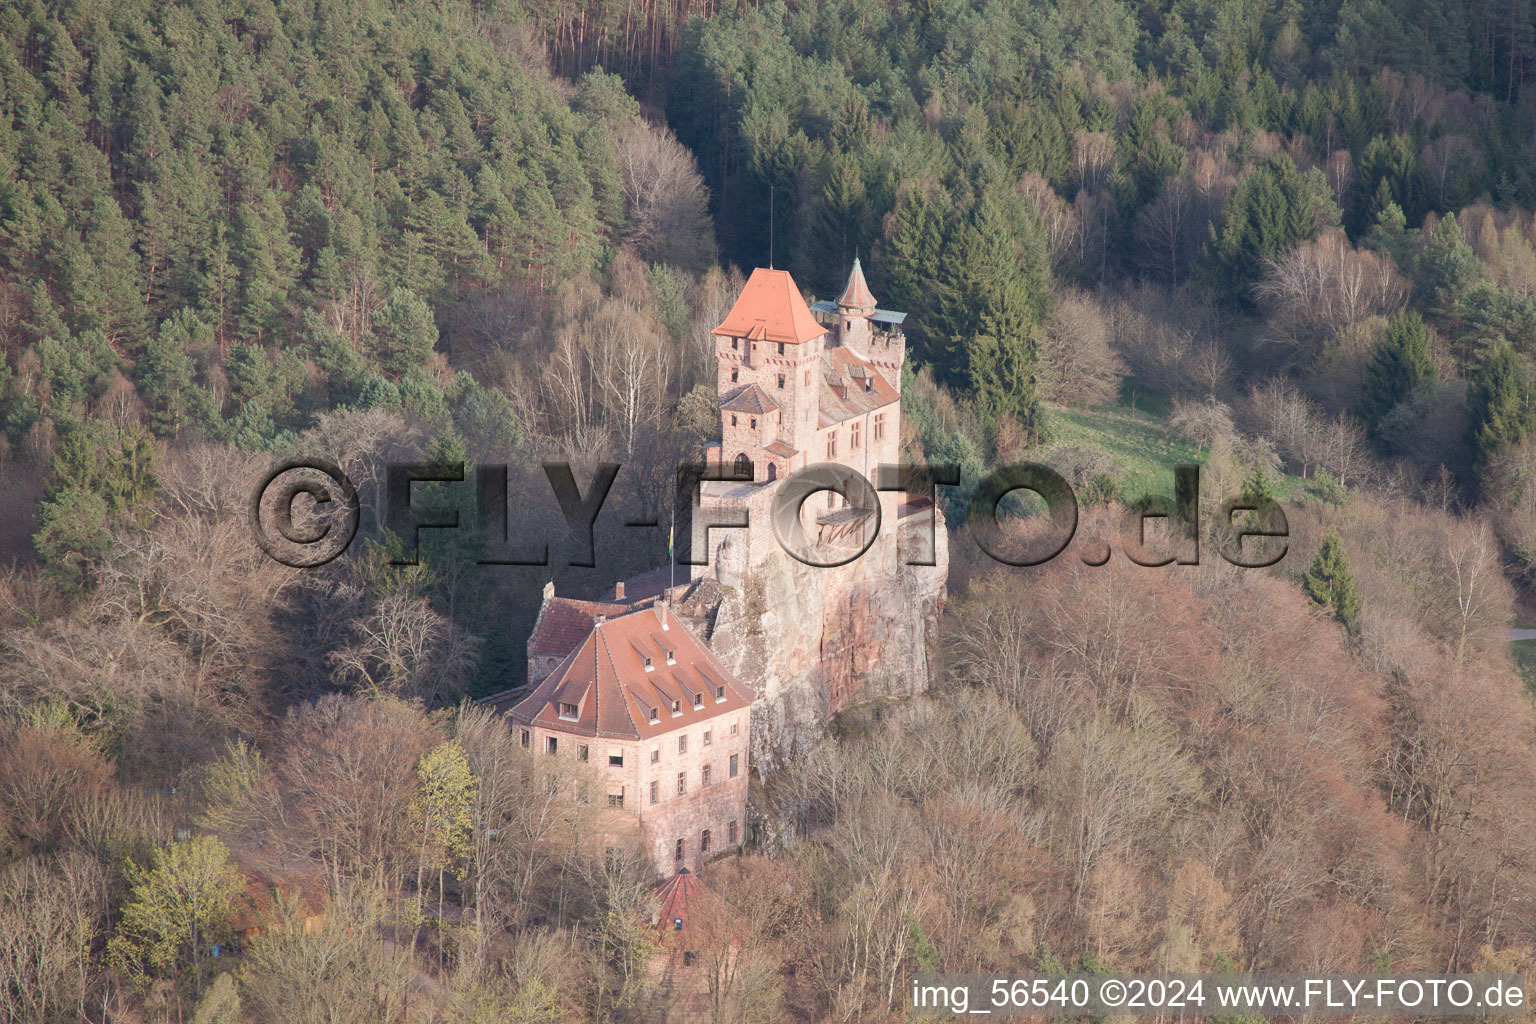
[704,781]
[732,833]
[709,734]
[648,666]
[781,348]
[682,744]
[525,738]
[781,382]
[581,752]
[698,700]
[655,714]
[568,710]
[734,374]
[752,422]
[735,764]
[551,744]
[682,783]
[879,431]
[688,955]
[677,707]
[807,378]
[679,854]
[734,727]
[744,466]
[671,657]
[853,437]
[719,693]
[615,799]
[831,446]
[704,841]
[733,415]
[616,760]
[735,343]
[655,791]
[655,754]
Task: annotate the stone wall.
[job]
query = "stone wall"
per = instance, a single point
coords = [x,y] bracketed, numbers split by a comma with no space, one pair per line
[813,641]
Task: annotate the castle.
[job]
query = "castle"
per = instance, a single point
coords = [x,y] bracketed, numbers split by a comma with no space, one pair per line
[666,690]
[794,393]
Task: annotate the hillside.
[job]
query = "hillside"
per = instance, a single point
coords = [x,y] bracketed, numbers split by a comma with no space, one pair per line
[1292,243]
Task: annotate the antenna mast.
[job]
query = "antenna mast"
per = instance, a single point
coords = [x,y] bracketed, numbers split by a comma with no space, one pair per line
[770,227]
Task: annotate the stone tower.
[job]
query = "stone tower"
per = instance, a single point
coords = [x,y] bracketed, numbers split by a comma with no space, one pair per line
[800,385]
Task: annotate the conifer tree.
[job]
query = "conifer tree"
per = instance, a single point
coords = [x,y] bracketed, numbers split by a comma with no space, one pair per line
[1270,212]
[1446,267]
[1500,401]
[1330,583]
[1399,366]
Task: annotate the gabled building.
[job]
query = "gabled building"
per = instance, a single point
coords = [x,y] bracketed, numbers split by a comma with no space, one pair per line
[665,725]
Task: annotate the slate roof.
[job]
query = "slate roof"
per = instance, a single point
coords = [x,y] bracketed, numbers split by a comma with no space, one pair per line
[770,308]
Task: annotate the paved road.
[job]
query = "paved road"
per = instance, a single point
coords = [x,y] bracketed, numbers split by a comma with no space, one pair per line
[1522,634]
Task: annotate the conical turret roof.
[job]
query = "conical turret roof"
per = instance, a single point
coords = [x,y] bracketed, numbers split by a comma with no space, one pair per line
[856,295]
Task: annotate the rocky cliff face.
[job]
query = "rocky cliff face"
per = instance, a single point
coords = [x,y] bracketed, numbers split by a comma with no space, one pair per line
[813,641]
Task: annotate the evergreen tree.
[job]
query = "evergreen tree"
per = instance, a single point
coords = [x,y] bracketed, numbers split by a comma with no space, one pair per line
[1270,212]
[1400,365]
[1330,584]
[166,373]
[406,333]
[1500,410]
[1446,267]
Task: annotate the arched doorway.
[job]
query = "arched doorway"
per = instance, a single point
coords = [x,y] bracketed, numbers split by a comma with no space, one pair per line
[743,466]
[773,471]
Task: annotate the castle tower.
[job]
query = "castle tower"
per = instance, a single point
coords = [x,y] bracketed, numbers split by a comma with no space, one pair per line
[853,309]
[769,351]
[873,333]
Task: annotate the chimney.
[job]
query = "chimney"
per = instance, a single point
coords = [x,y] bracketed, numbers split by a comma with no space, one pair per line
[549,590]
[618,591]
[597,620]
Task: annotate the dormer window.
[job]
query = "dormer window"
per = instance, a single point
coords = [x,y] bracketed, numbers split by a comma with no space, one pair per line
[648,666]
[671,657]
[569,711]
[677,707]
[719,693]
[655,714]
[698,700]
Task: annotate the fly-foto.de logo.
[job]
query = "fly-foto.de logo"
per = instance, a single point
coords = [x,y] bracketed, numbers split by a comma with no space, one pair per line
[305,513]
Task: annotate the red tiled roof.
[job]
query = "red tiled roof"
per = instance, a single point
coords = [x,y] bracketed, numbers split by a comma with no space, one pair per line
[770,308]
[750,399]
[842,369]
[263,901]
[564,622]
[607,681]
[689,915]
[856,295]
